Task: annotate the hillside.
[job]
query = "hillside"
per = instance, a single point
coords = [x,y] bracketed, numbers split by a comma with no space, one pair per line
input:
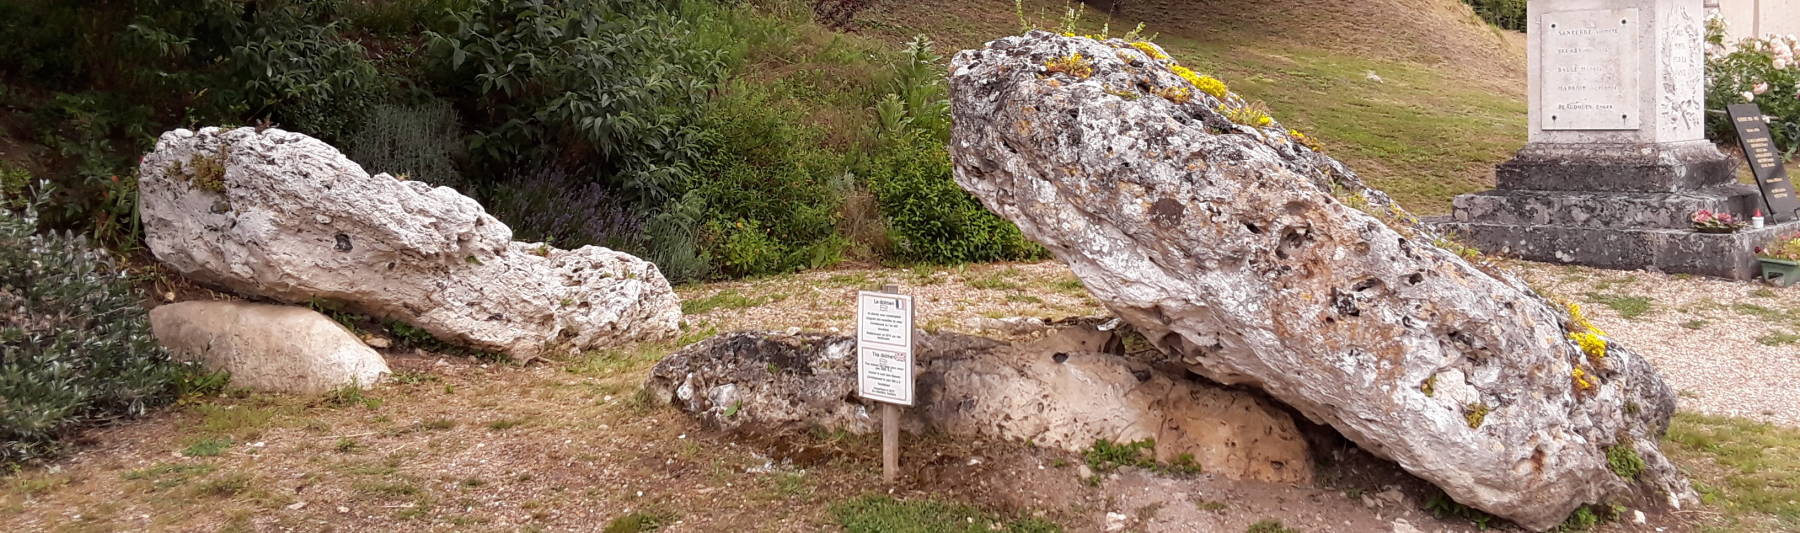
[1419,96]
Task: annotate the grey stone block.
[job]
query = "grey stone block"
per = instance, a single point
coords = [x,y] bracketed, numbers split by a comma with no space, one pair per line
[1616,167]
[1729,255]
[1603,209]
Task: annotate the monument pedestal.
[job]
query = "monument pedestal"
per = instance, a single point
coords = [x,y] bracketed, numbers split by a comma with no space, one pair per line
[1617,162]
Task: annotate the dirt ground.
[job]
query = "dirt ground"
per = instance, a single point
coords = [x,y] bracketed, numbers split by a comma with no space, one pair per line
[455,444]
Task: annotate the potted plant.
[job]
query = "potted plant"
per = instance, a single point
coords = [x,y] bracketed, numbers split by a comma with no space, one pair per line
[1710,222]
[1781,260]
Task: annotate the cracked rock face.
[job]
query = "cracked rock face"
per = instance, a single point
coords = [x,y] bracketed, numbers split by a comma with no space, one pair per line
[1059,391]
[1253,260]
[281,215]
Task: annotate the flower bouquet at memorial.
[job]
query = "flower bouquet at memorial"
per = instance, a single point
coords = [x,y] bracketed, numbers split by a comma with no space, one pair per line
[1706,221]
[1781,260]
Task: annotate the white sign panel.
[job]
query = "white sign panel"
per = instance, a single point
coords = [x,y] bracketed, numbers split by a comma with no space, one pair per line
[1589,69]
[884,354]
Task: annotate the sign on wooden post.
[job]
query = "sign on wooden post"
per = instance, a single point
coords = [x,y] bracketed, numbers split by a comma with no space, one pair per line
[884,364]
[1765,161]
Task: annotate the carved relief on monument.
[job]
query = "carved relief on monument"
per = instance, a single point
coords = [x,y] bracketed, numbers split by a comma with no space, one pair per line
[1682,56]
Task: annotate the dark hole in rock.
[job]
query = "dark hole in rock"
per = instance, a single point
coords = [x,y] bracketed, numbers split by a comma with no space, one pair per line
[343,243]
[1291,239]
[1167,211]
[1365,285]
[1141,375]
[1252,227]
[1418,277]
[390,265]
[1059,357]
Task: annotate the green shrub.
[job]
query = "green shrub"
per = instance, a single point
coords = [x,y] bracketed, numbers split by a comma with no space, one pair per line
[75,346]
[418,142]
[767,187]
[1761,71]
[304,75]
[1508,14]
[930,218]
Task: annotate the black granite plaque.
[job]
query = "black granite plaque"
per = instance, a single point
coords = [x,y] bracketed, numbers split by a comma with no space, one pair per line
[1765,161]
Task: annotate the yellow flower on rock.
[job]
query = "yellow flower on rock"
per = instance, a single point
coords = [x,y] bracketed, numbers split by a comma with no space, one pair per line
[1150,50]
[1580,378]
[1591,344]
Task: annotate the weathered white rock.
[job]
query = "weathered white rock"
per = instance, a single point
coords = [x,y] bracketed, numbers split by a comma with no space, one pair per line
[282,215]
[1226,245]
[277,348]
[1060,391]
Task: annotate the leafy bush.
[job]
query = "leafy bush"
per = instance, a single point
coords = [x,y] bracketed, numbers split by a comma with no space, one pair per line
[1763,71]
[1508,14]
[75,347]
[616,87]
[418,142]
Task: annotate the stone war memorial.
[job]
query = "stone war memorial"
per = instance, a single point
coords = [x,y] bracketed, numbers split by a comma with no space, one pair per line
[1617,162]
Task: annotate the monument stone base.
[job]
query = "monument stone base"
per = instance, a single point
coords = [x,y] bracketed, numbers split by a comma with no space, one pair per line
[1616,206]
[1677,251]
[1668,167]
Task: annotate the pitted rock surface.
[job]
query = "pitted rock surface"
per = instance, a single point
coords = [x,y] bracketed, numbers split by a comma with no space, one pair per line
[1239,253]
[281,215]
[1059,391]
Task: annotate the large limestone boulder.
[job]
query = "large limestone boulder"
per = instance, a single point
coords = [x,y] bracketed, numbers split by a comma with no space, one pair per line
[1060,391]
[1253,260]
[278,348]
[281,215]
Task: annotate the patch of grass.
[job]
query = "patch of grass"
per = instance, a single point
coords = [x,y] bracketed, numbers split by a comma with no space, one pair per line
[639,522]
[884,514]
[1105,455]
[347,445]
[240,421]
[854,279]
[1627,306]
[169,475]
[995,281]
[438,424]
[1443,507]
[1750,470]
[507,423]
[1211,506]
[1763,292]
[413,377]
[1267,525]
[1624,460]
[1024,299]
[207,447]
[1778,338]
[388,489]
[1695,324]
[726,299]
[36,485]
[1757,311]
[224,486]
[349,395]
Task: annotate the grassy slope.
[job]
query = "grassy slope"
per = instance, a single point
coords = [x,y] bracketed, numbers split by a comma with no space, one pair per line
[1449,104]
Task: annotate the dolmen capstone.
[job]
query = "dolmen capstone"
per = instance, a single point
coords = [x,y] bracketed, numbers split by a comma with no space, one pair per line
[1067,388]
[280,215]
[1252,259]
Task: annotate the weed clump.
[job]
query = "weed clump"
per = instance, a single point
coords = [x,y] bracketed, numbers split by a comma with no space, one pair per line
[1073,65]
[1624,460]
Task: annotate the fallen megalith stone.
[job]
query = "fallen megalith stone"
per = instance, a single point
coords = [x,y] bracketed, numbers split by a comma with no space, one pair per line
[278,348]
[1059,391]
[280,215]
[1252,259]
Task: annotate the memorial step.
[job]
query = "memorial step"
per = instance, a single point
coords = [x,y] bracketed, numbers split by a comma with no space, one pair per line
[1729,255]
[1603,209]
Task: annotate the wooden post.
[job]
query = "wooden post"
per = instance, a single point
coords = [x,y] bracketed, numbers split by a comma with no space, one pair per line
[890,427]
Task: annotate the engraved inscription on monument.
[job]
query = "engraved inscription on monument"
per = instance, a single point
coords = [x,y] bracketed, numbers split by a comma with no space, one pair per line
[1589,70]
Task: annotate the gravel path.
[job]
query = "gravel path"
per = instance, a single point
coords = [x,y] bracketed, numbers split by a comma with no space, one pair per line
[1730,348]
